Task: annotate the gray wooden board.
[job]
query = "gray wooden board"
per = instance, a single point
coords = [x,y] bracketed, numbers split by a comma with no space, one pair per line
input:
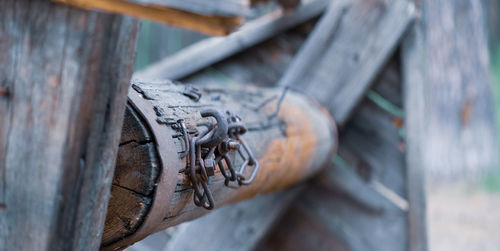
[347,50]
[66,71]
[413,77]
[212,50]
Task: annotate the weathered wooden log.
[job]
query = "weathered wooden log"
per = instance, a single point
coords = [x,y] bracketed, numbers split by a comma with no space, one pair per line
[290,135]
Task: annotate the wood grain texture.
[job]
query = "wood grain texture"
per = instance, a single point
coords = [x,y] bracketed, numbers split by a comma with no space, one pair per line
[347,49]
[66,72]
[209,51]
[290,148]
[208,24]
[136,173]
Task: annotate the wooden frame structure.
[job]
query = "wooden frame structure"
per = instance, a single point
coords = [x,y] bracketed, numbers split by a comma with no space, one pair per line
[377,186]
[63,87]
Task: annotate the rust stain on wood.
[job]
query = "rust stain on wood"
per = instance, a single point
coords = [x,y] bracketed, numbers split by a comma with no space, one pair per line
[287,159]
[293,151]
[465,112]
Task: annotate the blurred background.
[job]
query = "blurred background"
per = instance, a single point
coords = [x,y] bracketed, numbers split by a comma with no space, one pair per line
[463,211]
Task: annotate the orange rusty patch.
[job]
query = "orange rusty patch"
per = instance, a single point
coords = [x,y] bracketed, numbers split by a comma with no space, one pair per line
[397,122]
[287,159]
[466,112]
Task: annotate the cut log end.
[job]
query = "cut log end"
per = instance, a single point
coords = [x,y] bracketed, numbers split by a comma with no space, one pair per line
[136,173]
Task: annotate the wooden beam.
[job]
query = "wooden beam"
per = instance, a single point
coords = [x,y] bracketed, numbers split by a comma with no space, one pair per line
[208,24]
[347,49]
[289,147]
[212,50]
[65,73]
[210,8]
[413,73]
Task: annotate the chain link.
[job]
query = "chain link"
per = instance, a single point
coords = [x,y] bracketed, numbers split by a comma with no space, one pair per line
[210,148]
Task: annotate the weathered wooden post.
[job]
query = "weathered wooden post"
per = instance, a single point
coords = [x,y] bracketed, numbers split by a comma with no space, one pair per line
[288,136]
[64,76]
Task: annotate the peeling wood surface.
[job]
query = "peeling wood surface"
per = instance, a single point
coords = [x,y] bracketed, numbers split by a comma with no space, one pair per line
[66,73]
[289,148]
[208,24]
[211,50]
[350,44]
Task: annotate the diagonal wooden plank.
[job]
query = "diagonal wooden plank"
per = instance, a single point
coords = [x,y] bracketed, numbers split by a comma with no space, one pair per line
[212,7]
[208,24]
[346,50]
[212,50]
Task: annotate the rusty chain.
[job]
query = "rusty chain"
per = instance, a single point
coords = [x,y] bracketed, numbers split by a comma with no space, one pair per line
[210,148]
